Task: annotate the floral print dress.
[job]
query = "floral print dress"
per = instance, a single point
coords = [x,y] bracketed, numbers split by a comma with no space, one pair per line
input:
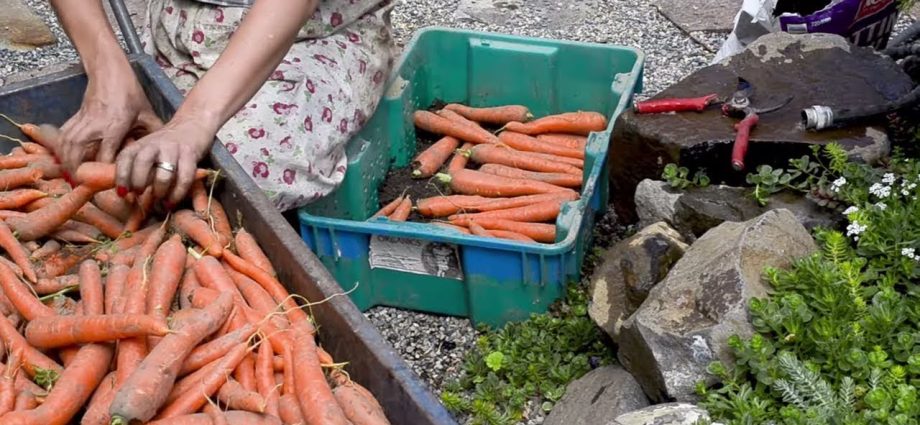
[291,135]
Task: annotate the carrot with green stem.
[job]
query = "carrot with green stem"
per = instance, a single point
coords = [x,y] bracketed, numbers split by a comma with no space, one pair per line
[523,142]
[537,231]
[580,123]
[389,207]
[143,393]
[41,222]
[472,182]
[459,161]
[249,250]
[431,159]
[18,253]
[433,123]
[556,179]
[495,115]
[493,154]
[533,213]
[403,210]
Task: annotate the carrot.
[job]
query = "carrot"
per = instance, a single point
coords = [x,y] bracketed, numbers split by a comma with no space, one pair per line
[274,288]
[39,203]
[108,225]
[63,331]
[62,261]
[18,161]
[21,296]
[249,250]
[477,230]
[165,273]
[216,415]
[442,206]
[125,258]
[143,393]
[403,210]
[521,201]
[557,179]
[389,207]
[568,140]
[317,402]
[195,398]
[19,197]
[41,222]
[8,389]
[233,417]
[114,287]
[287,356]
[289,410]
[141,208]
[580,123]
[18,177]
[523,142]
[25,400]
[535,213]
[245,373]
[46,286]
[91,292]
[211,274]
[187,223]
[18,253]
[97,411]
[73,236]
[189,284]
[575,162]
[257,297]
[214,349]
[33,361]
[459,161]
[537,231]
[430,160]
[101,175]
[34,148]
[50,247]
[236,397]
[112,204]
[53,188]
[514,236]
[43,134]
[472,182]
[265,378]
[497,115]
[74,387]
[433,123]
[132,351]
[491,154]
[212,212]
[188,382]
[452,227]
[358,408]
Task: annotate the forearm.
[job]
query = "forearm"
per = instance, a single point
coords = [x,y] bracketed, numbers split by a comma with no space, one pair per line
[88,28]
[253,53]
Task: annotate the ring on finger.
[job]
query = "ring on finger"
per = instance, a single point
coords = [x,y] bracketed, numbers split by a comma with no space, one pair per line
[166,166]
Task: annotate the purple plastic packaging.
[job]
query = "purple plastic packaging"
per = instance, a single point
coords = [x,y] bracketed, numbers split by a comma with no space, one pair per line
[863,22]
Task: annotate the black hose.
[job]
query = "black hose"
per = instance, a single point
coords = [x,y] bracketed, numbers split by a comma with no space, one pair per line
[907,36]
[821,117]
[898,52]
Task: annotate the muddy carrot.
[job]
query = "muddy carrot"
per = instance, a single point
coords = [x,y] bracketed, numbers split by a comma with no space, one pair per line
[403,210]
[557,179]
[33,361]
[49,247]
[496,115]
[41,222]
[195,398]
[523,142]
[389,208]
[18,177]
[358,407]
[92,215]
[472,182]
[62,261]
[97,411]
[430,160]
[214,349]
[112,204]
[443,206]
[114,287]
[493,154]
[21,296]
[433,123]
[249,250]
[15,199]
[46,286]
[459,161]
[63,331]
[568,140]
[17,252]
[581,123]
[452,227]
[537,231]
[187,223]
[235,397]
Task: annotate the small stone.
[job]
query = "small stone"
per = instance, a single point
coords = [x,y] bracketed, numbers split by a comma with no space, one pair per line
[601,394]
[664,414]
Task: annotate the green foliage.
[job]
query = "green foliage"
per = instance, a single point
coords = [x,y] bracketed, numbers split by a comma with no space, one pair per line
[679,177]
[838,339]
[530,361]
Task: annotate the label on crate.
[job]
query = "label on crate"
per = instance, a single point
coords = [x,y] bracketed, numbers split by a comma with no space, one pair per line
[415,256]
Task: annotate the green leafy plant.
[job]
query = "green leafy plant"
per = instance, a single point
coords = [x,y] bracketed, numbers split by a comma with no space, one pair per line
[838,339]
[679,177]
[528,364]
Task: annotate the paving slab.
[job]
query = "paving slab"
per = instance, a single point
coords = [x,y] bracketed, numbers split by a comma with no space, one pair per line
[21,29]
[700,15]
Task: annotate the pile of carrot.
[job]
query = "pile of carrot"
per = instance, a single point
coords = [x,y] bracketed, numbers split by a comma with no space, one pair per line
[510,184]
[113,314]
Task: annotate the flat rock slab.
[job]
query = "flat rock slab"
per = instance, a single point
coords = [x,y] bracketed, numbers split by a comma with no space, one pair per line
[22,29]
[813,69]
[601,394]
[700,15]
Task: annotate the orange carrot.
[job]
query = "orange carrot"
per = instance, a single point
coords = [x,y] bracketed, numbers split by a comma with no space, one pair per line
[25,400]
[523,142]
[233,417]
[317,402]
[232,394]
[39,223]
[141,208]
[245,373]
[143,393]
[212,212]
[17,198]
[187,223]
[114,287]
[63,331]
[403,210]
[514,236]
[472,182]
[497,115]
[91,293]
[72,236]
[50,247]
[53,187]
[21,296]
[274,288]
[62,261]
[430,160]
[17,252]
[92,215]
[389,208]
[33,361]
[537,231]
[568,140]
[580,123]
[195,398]
[34,148]
[214,349]
[265,378]
[459,161]
[43,134]
[287,356]
[486,154]
[358,407]
[165,273]
[18,161]
[477,230]
[575,162]
[112,204]
[18,177]
[249,250]
[443,206]
[8,388]
[101,175]
[46,286]
[451,226]
[97,412]
[433,123]
[556,179]
[289,410]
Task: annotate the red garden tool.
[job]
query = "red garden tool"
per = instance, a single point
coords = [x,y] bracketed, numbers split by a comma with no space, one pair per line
[738,106]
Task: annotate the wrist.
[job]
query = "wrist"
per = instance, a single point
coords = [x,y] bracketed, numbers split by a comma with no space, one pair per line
[197,122]
[105,58]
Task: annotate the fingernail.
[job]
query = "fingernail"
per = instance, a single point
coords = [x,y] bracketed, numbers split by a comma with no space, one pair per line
[121,191]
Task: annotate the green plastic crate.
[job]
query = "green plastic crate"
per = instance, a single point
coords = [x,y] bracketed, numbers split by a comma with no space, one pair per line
[488,280]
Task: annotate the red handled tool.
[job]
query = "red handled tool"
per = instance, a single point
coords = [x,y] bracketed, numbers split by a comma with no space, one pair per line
[675,105]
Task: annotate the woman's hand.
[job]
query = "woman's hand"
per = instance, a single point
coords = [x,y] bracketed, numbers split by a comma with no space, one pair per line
[180,145]
[113,105]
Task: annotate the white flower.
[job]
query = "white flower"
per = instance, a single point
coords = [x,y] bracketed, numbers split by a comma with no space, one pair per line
[850,210]
[907,187]
[888,178]
[838,184]
[854,229]
[880,190]
[909,253]
[881,206]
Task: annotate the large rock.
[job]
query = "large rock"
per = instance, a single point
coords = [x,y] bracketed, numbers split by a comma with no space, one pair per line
[814,69]
[627,273]
[700,15]
[694,211]
[22,29]
[664,414]
[687,319]
[601,394]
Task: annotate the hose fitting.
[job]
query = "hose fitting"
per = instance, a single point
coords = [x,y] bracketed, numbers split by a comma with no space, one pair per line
[818,117]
